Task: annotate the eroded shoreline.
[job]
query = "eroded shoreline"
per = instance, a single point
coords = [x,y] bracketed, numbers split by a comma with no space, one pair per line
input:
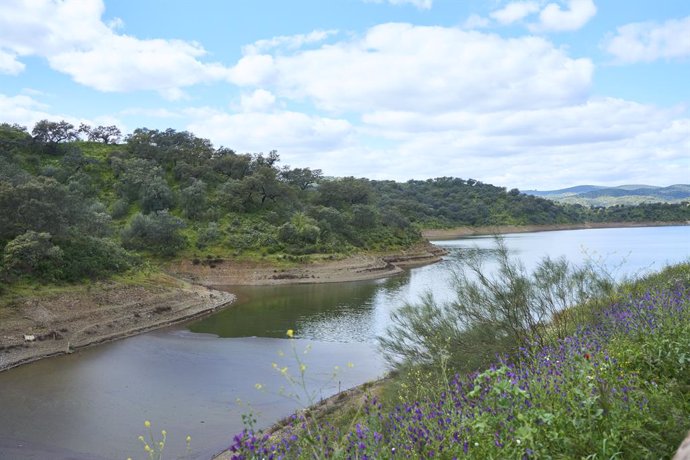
[107,311]
[459,232]
[37,327]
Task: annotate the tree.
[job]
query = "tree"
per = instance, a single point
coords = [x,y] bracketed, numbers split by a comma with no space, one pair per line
[32,253]
[364,217]
[158,232]
[301,230]
[228,163]
[105,134]
[133,175]
[344,192]
[41,205]
[301,178]
[13,137]
[155,195]
[193,199]
[54,132]
[270,160]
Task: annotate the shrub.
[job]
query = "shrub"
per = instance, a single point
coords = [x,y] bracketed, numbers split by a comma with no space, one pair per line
[33,253]
[495,313]
[157,232]
[90,257]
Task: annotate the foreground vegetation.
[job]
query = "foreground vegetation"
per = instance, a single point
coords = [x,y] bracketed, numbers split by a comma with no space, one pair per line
[608,378]
[78,203]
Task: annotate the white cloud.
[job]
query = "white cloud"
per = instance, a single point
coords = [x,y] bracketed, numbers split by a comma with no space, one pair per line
[421,4]
[515,11]
[604,141]
[9,63]
[71,35]
[474,21]
[401,66]
[252,70]
[116,23]
[289,42]
[152,113]
[294,134]
[573,17]
[257,101]
[123,63]
[26,111]
[649,41]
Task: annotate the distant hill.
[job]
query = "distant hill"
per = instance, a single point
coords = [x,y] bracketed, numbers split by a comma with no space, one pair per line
[565,191]
[631,194]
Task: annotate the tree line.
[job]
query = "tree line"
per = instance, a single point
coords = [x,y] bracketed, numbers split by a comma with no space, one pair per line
[84,202]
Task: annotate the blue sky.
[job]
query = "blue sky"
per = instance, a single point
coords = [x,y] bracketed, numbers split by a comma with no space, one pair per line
[528,94]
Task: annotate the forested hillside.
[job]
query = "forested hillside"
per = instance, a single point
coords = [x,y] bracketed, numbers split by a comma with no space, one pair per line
[83,202]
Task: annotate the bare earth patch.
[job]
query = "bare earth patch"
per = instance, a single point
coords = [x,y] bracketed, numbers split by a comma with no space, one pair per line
[40,326]
[354,268]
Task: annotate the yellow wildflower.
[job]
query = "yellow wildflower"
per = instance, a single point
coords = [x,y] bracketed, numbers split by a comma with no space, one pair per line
[290,333]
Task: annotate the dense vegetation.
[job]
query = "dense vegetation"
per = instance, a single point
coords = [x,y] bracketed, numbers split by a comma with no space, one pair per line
[79,202]
[610,382]
[448,202]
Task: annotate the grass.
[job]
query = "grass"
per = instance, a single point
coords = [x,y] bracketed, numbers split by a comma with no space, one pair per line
[616,387]
[146,275]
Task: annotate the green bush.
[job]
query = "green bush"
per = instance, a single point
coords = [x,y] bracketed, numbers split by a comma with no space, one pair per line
[493,313]
[158,233]
[34,254]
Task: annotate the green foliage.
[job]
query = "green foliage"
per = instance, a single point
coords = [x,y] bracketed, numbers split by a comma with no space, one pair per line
[32,253]
[158,232]
[344,192]
[87,257]
[40,204]
[235,203]
[53,132]
[193,199]
[493,313]
[301,231]
[156,196]
[302,178]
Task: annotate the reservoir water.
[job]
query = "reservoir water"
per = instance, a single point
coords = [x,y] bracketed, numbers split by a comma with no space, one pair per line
[187,379]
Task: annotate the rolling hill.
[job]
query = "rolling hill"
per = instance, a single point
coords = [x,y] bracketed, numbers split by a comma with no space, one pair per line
[632,194]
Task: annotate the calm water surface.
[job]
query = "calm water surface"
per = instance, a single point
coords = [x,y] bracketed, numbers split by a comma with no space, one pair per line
[186,379]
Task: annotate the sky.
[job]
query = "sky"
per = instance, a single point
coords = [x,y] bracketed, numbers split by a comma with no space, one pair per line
[533,94]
